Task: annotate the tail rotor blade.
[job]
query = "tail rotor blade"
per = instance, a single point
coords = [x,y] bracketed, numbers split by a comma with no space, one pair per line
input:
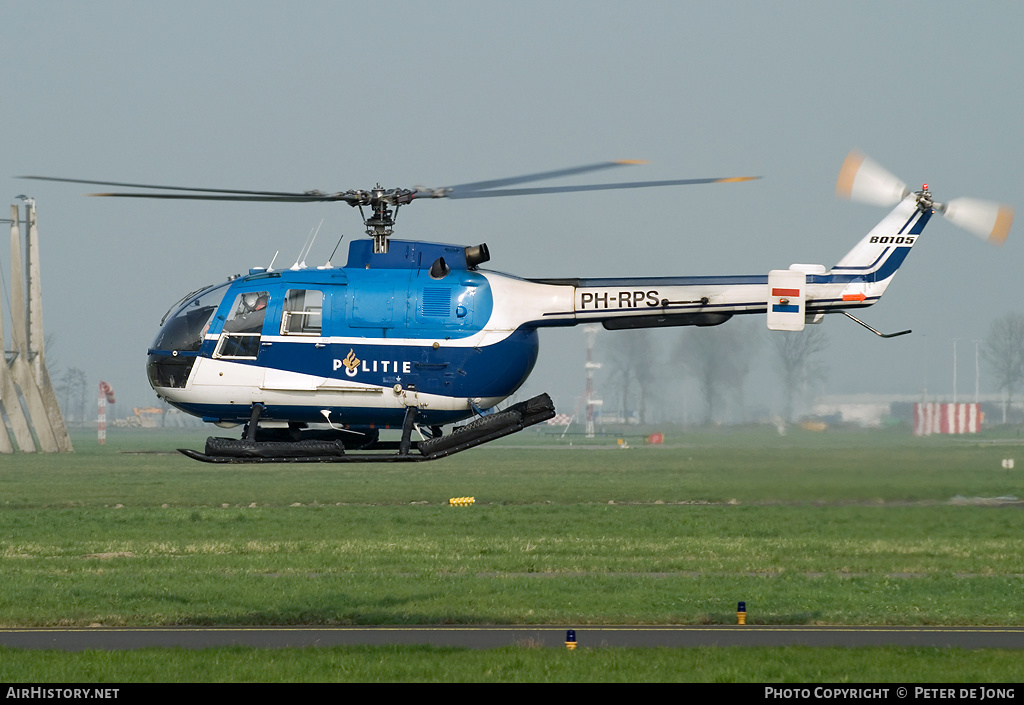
[988,220]
[862,179]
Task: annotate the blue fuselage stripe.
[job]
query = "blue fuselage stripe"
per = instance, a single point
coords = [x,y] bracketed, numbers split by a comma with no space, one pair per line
[492,370]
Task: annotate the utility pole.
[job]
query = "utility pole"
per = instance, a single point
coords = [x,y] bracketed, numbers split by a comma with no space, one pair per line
[954,369]
[590,366]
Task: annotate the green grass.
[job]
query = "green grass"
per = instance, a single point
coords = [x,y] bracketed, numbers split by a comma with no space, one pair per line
[495,563]
[427,664]
[756,466]
[811,528]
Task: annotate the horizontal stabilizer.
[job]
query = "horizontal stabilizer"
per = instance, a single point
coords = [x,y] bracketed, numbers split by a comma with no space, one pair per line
[786,295]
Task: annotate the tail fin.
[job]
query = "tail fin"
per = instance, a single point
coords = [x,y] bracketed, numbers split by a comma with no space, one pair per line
[875,259]
[862,275]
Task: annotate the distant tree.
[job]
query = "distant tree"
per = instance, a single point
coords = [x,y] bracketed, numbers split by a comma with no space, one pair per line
[795,363]
[1003,352]
[71,390]
[632,366]
[718,358]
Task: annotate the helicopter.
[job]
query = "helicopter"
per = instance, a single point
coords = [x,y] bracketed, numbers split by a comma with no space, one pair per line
[412,335]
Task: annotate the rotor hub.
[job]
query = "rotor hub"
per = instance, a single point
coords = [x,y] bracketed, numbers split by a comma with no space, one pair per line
[924,199]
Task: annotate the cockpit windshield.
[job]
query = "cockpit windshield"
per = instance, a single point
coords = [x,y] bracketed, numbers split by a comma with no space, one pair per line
[184,329]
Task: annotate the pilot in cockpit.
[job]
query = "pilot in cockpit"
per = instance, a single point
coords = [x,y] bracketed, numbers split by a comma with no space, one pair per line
[249,313]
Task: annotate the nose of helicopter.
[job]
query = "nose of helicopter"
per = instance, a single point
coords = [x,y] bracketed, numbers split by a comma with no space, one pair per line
[177,345]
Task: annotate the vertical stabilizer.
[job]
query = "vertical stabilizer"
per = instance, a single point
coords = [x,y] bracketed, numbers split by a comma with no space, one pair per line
[874,260]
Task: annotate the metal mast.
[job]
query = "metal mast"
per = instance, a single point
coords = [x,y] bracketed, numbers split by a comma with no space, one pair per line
[590,366]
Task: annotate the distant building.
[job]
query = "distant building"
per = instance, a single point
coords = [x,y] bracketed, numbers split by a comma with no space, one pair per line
[876,410]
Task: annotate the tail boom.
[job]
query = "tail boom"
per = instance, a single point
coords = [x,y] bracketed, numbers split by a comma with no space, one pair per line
[858,280]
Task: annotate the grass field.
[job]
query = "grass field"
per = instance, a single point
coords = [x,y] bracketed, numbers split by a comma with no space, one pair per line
[514,665]
[826,528]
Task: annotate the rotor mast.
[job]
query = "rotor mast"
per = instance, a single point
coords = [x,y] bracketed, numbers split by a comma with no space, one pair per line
[381,225]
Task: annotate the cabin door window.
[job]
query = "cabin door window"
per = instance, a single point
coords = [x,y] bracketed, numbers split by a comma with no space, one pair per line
[303,312]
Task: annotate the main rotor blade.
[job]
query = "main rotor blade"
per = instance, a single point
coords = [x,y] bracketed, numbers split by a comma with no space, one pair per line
[162,188]
[540,176]
[597,187]
[475,189]
[285,198]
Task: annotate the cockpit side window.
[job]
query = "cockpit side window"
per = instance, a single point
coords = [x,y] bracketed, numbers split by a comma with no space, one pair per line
[185,330]
[241,335]
[303,312]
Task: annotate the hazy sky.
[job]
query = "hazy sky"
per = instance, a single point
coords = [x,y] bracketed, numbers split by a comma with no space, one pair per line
[338,95]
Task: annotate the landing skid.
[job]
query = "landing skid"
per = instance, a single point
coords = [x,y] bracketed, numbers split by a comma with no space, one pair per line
[476,433]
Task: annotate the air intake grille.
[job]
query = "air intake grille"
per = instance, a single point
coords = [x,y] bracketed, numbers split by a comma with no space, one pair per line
[436,301]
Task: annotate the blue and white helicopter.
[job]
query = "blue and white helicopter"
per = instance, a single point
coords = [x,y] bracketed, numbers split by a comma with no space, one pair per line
[417,336]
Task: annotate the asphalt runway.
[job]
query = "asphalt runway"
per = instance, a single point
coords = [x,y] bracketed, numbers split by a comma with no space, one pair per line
[111,638]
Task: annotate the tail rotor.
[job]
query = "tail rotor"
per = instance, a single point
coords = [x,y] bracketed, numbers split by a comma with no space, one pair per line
[862,179]
[987,220]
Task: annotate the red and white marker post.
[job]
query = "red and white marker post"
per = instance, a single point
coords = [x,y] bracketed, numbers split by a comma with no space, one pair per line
[106,394]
